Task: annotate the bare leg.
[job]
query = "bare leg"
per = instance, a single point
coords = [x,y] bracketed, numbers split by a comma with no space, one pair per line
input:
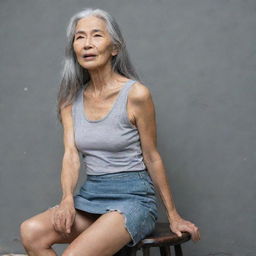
[38,235]
[106,236]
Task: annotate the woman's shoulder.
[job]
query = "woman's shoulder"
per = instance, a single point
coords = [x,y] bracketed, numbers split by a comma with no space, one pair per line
[139,92]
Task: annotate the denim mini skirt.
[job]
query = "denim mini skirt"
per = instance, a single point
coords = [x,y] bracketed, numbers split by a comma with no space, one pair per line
[131,193]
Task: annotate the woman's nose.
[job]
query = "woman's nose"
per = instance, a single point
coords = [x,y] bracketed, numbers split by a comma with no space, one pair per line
[87,43]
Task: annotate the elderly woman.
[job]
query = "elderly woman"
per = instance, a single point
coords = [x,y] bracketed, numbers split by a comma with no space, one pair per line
[108,116]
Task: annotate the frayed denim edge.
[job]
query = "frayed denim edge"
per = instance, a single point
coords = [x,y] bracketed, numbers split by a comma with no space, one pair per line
[125,224]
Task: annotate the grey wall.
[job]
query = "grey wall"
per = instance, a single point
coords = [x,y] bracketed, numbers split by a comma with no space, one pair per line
[197,57]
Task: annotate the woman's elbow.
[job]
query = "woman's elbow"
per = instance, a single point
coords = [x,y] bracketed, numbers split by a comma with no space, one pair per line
[152,157]
[72,157]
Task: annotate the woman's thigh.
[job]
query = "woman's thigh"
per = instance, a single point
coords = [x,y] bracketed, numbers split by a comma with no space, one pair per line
[106,236]
[40,228]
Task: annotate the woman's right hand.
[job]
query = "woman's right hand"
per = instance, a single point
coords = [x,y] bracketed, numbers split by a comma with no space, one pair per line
[64,215]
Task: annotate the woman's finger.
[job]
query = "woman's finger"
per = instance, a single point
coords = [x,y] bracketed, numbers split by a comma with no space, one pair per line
[196,233]
[56,227]
[193,230]
[68,223]
[189,229]
[177,232]
[55,219]
[63,222]
[59,221]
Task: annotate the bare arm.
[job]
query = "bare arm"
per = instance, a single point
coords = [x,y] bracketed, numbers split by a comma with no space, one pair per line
[144,114]
[71,161]
[65,214]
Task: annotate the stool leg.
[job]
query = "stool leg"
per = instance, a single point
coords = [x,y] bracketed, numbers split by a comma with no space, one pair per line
[126,251]
[178,250]
[165,250]
[133,252]
[145,251]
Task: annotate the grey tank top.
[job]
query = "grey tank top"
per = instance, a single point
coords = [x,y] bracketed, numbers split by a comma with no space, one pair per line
[111,144]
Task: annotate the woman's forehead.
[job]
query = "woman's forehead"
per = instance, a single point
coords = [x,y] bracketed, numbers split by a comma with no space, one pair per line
[90,23]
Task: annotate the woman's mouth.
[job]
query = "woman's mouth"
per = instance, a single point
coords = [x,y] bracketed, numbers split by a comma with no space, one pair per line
[89,57]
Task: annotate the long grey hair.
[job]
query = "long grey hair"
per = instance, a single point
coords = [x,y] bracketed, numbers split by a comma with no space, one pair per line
[74,76]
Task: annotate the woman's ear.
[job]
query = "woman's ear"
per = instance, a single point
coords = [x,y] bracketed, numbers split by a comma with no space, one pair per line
[115,50]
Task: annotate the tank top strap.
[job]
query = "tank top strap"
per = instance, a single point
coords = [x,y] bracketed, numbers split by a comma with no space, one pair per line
[78,104]
[120,107]
[123,97]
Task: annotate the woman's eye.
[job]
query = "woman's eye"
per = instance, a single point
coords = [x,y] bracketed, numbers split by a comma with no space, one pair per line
[82,37]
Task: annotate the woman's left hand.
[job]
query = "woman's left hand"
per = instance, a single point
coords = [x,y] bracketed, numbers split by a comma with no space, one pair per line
[177,225]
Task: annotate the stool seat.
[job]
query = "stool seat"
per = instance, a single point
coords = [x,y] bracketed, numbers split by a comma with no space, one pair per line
[161,237]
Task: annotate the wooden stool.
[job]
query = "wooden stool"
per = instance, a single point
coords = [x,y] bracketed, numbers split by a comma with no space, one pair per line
[162,237]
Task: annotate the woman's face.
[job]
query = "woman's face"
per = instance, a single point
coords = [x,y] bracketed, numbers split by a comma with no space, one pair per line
[92,38]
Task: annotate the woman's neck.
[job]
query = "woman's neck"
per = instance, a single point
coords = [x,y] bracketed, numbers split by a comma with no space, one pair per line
[102,80]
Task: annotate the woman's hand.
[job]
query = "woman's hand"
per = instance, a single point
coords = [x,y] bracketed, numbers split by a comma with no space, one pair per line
[64,215]
[177,225]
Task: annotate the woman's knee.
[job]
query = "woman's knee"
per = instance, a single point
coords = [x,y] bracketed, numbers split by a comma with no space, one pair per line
[30,229]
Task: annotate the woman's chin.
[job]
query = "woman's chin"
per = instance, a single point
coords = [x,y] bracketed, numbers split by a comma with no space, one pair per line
[92,66]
